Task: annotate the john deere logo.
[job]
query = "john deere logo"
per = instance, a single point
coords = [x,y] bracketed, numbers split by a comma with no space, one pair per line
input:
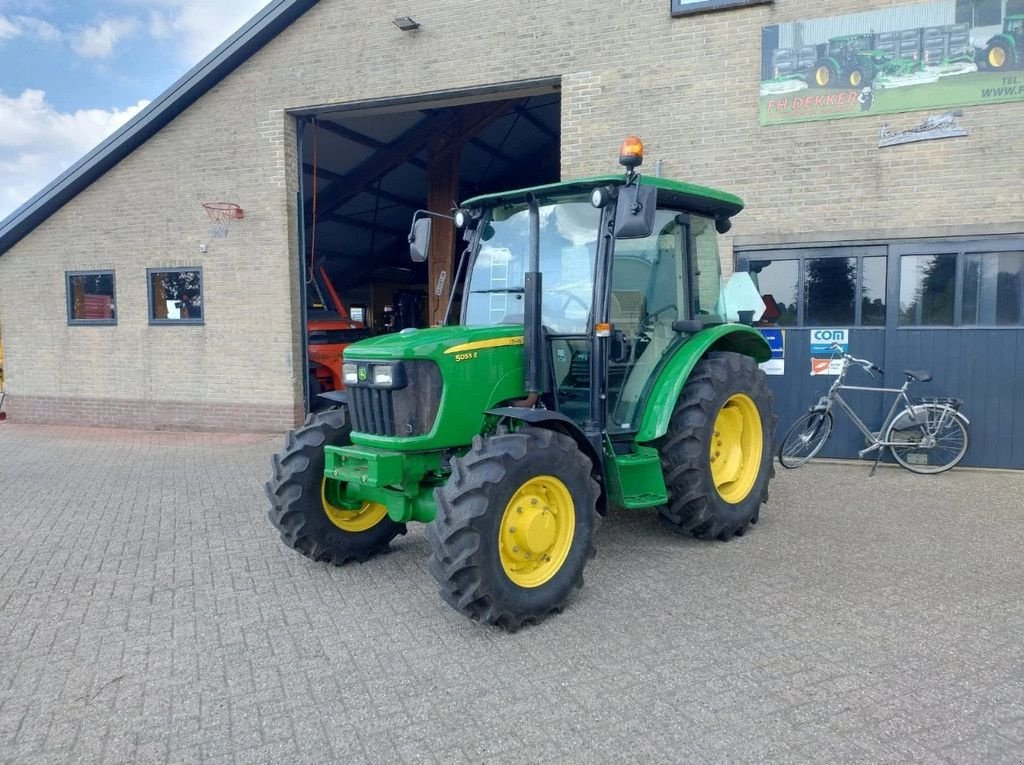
[362,374]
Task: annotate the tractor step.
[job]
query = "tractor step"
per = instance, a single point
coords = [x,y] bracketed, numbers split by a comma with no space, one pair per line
[637,480]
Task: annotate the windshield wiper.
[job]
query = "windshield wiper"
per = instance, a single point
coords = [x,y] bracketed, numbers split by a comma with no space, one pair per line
[510,290]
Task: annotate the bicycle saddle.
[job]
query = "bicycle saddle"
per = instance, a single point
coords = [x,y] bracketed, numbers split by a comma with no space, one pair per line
[918,374]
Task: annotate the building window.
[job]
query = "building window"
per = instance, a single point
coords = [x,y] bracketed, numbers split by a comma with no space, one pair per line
[872,291]
[90,297]
[993,291]
[822,291]
[830,292]
[980,13]
[175,295]
[927,290]
[686,7]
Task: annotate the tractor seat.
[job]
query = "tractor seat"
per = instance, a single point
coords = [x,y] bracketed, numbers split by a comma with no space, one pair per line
[918,374]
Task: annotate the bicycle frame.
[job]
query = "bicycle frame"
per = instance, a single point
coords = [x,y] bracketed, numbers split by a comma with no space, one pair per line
[834,396]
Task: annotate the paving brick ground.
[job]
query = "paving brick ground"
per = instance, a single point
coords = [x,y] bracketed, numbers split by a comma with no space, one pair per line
[148,613]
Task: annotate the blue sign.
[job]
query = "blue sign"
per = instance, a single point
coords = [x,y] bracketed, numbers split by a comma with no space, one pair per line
[776,342]
[822,339]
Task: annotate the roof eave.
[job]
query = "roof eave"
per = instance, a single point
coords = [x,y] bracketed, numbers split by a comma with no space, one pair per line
[231,54]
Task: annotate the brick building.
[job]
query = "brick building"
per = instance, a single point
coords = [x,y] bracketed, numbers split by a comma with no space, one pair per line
[203,330]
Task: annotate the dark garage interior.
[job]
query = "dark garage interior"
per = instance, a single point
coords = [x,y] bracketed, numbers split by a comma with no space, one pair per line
[367,171]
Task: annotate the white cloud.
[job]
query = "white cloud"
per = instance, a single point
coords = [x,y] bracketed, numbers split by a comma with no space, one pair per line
[37,142]
[99,41]
[199,25]
[8,28]
[16,26]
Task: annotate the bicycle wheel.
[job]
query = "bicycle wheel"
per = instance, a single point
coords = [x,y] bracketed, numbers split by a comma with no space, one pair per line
[934,438]
[805,438]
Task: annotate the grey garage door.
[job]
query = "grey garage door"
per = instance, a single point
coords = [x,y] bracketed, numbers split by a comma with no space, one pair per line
[952,307]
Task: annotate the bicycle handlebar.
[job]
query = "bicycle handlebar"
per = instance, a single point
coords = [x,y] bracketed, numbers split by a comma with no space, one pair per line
[868,365]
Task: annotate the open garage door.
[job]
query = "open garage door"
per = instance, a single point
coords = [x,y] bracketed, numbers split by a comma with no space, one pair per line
[366,170]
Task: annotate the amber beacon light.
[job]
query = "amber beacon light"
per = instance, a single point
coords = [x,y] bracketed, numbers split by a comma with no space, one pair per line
[631,154]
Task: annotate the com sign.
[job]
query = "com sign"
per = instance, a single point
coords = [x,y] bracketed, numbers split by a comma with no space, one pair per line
[822,339]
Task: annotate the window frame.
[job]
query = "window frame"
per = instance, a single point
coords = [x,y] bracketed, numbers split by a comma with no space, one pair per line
[149,293]
[677,8]
[802,256]
[959,250]
[69,303]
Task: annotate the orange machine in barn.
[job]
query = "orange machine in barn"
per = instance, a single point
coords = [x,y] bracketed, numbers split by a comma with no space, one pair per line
[329,332]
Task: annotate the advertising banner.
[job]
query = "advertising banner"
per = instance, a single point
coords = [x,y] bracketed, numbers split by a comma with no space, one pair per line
[932,55]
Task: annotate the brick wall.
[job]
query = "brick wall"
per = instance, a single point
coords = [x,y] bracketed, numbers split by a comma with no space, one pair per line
[689,86]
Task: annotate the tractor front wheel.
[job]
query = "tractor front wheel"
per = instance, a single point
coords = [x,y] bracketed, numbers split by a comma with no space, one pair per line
[514,528]
[301,505]
[717,454]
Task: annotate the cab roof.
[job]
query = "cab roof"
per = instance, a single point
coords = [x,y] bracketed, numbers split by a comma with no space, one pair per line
[675,195]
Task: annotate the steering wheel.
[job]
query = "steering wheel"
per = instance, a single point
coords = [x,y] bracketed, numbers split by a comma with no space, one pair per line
[571,298]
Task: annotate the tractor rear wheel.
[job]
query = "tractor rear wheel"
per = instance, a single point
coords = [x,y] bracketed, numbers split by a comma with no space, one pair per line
[515,527]
[824,75]
[300,505]
[999,56]
[717,454]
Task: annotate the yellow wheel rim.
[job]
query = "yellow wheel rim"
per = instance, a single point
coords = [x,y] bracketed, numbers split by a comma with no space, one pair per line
[536,531]
[736,448]
[822,76]
[353,521]
[997,57]
[855,78]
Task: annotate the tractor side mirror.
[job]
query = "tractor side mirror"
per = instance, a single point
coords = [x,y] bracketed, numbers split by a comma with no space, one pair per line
[634,212]
[419,239]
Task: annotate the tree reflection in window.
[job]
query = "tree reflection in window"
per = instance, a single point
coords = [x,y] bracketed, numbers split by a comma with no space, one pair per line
[927,290]
[176,296]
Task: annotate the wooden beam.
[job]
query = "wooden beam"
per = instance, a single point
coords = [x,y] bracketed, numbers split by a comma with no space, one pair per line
[442,189]
[412,204]
[525,114]
[411,142]
[364,140]
[366,225]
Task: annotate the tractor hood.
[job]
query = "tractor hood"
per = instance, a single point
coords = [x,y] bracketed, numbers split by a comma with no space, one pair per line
[438,343]
[480,368]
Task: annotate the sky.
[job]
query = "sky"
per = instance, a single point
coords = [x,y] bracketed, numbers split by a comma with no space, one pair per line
[73,71]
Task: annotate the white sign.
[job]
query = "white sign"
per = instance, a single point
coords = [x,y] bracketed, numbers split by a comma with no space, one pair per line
[774,367]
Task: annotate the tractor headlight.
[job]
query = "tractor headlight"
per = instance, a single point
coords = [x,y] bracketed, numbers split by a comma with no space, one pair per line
[384,376]
[350,373]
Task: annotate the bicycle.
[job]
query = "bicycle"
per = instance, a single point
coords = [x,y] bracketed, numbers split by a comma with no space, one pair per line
[926,436]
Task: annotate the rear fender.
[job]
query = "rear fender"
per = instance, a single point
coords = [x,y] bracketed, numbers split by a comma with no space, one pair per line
[545,418]
[737,338]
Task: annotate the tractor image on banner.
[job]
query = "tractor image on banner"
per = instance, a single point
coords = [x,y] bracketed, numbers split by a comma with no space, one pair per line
[593,364]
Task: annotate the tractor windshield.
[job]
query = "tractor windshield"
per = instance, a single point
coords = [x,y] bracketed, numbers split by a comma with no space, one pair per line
[568,245]
[1015,25]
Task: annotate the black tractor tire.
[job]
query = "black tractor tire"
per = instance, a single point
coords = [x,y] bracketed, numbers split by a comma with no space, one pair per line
[860,76]
[296,505]
[695,506]
[466,537]
[824,75]
[1003,55]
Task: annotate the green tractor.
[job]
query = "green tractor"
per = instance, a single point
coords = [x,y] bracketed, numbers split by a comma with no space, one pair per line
[1005,50]
[849,61]
[591,369]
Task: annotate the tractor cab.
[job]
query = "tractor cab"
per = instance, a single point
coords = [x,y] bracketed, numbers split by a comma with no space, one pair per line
[1014,25]
[627,269]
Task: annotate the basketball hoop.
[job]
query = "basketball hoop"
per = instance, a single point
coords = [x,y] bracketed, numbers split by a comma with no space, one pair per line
[221,213]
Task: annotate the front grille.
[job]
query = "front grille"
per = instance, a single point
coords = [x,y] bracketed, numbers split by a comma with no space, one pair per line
[409,411]
[373,411]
